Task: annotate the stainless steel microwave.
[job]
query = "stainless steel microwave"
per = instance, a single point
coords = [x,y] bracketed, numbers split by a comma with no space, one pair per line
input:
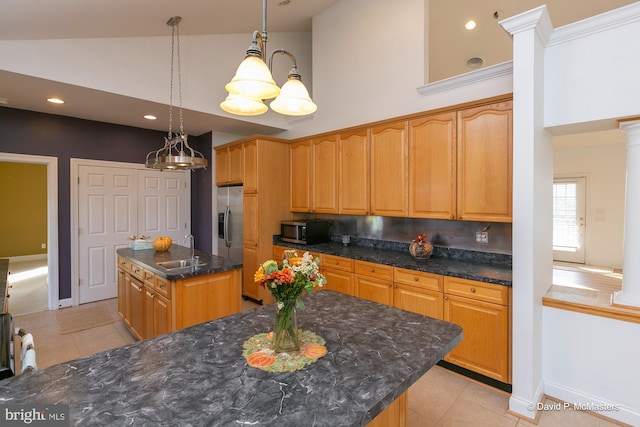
[305,232]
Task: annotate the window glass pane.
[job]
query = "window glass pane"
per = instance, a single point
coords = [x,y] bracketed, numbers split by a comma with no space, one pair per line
[565,218]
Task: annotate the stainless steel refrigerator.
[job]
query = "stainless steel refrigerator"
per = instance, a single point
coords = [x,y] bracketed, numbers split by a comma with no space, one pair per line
[230,222]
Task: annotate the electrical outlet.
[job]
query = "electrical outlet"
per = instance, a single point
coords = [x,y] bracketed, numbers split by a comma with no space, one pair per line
[482,237]
[43,246]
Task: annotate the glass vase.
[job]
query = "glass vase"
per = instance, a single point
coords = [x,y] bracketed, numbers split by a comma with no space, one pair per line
[285,331]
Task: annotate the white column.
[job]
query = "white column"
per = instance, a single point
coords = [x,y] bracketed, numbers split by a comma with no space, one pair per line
[630,293]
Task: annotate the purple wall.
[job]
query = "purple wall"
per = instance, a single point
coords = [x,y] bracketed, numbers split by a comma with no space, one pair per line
[26,132]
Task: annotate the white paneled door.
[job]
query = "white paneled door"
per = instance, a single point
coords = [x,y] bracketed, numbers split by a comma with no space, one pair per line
[116,204]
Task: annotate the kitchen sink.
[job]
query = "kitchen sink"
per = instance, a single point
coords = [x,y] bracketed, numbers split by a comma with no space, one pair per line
[180,263]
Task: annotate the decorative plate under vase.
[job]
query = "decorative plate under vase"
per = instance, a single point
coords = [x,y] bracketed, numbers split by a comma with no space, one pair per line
[421,250]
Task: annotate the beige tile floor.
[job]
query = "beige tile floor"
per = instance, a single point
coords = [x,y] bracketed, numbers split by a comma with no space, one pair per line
[439,399]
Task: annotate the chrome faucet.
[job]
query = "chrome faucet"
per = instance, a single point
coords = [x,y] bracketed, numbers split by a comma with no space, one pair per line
[192,245]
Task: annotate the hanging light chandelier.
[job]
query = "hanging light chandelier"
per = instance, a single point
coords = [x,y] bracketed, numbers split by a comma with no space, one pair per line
[176,153]
[253,83]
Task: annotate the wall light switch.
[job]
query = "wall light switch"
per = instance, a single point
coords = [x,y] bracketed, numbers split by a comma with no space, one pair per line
[43,246]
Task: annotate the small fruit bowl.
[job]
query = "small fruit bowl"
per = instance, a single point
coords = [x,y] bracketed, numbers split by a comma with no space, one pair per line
[162,244]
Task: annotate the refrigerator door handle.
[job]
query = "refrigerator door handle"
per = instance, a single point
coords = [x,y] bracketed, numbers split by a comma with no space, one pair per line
[227,214]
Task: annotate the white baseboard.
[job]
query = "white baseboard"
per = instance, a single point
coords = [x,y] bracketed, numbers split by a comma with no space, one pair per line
[23,258]
[582,401]
[527,409]
[63,303]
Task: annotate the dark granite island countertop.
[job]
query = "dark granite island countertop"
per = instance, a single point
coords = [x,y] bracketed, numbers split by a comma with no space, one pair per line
[197,376]
[149,259]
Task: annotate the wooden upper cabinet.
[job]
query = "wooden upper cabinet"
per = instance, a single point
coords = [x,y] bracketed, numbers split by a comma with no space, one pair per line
[324,163]
[250,153]
[432,166]
[300,173]
[389,164]
[485,163]
[229,165]
[353,173]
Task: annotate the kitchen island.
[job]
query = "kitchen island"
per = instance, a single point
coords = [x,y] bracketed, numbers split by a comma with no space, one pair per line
[198,376]
[157,294]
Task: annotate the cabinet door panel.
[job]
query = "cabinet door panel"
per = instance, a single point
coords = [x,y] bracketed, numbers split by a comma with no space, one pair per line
[389,180]
[484,346]
[353,173]
[324,191]
[236,164]
[250,180]
[250,265]
[427,303]
[339,281]
[485,140]
[300,182]
[379,291]
[222,166]
[250,219]
[161,315]
[432,166]
[136,299]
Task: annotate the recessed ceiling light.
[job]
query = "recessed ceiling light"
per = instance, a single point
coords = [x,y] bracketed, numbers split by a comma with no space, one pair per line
[55,100]
[470,25]
[150,117]
[475,62]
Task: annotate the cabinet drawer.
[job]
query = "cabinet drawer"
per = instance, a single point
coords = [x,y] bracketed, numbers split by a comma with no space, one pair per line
[371,269]
[417,278]
[336,263]
[481,291]
[137,271]
[124,264]
[163,286]
[149,278]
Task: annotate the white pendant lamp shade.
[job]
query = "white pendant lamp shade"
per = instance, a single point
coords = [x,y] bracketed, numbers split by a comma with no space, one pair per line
[253,80]
[294,99]
[243,106]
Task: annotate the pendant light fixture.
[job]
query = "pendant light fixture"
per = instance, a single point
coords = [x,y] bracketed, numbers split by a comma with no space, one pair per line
[253,83]
[176,153]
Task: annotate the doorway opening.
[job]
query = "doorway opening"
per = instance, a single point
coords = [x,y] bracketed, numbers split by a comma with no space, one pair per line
[51,256]
[569,220]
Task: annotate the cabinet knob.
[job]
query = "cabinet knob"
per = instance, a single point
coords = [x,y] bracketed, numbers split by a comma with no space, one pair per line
[372,270]
[446,298]
[473,290]
[416,279]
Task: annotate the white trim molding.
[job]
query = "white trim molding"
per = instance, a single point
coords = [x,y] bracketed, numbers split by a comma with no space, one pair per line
[466,79]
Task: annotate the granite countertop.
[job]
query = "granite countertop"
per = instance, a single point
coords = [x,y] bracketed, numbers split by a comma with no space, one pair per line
[197,376]
[472,265]
[4,281]
[148,259]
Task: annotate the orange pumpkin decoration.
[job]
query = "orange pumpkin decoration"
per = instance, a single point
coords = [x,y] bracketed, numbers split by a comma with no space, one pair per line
[162,243]
[314,351]
[260,359]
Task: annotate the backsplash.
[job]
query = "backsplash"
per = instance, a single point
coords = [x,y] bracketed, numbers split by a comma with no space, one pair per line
[443,234]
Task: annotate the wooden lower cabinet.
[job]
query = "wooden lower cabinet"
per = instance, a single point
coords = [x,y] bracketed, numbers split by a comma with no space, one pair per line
[152,305]
[339,281]
[339,273]
[135,306]
[482,310]
[416,300]
[202,298]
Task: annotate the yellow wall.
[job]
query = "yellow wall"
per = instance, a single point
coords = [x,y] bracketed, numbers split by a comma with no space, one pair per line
[23,209]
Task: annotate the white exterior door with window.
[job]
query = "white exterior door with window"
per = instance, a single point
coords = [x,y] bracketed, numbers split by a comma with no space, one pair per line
[569,219]
[115,204]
